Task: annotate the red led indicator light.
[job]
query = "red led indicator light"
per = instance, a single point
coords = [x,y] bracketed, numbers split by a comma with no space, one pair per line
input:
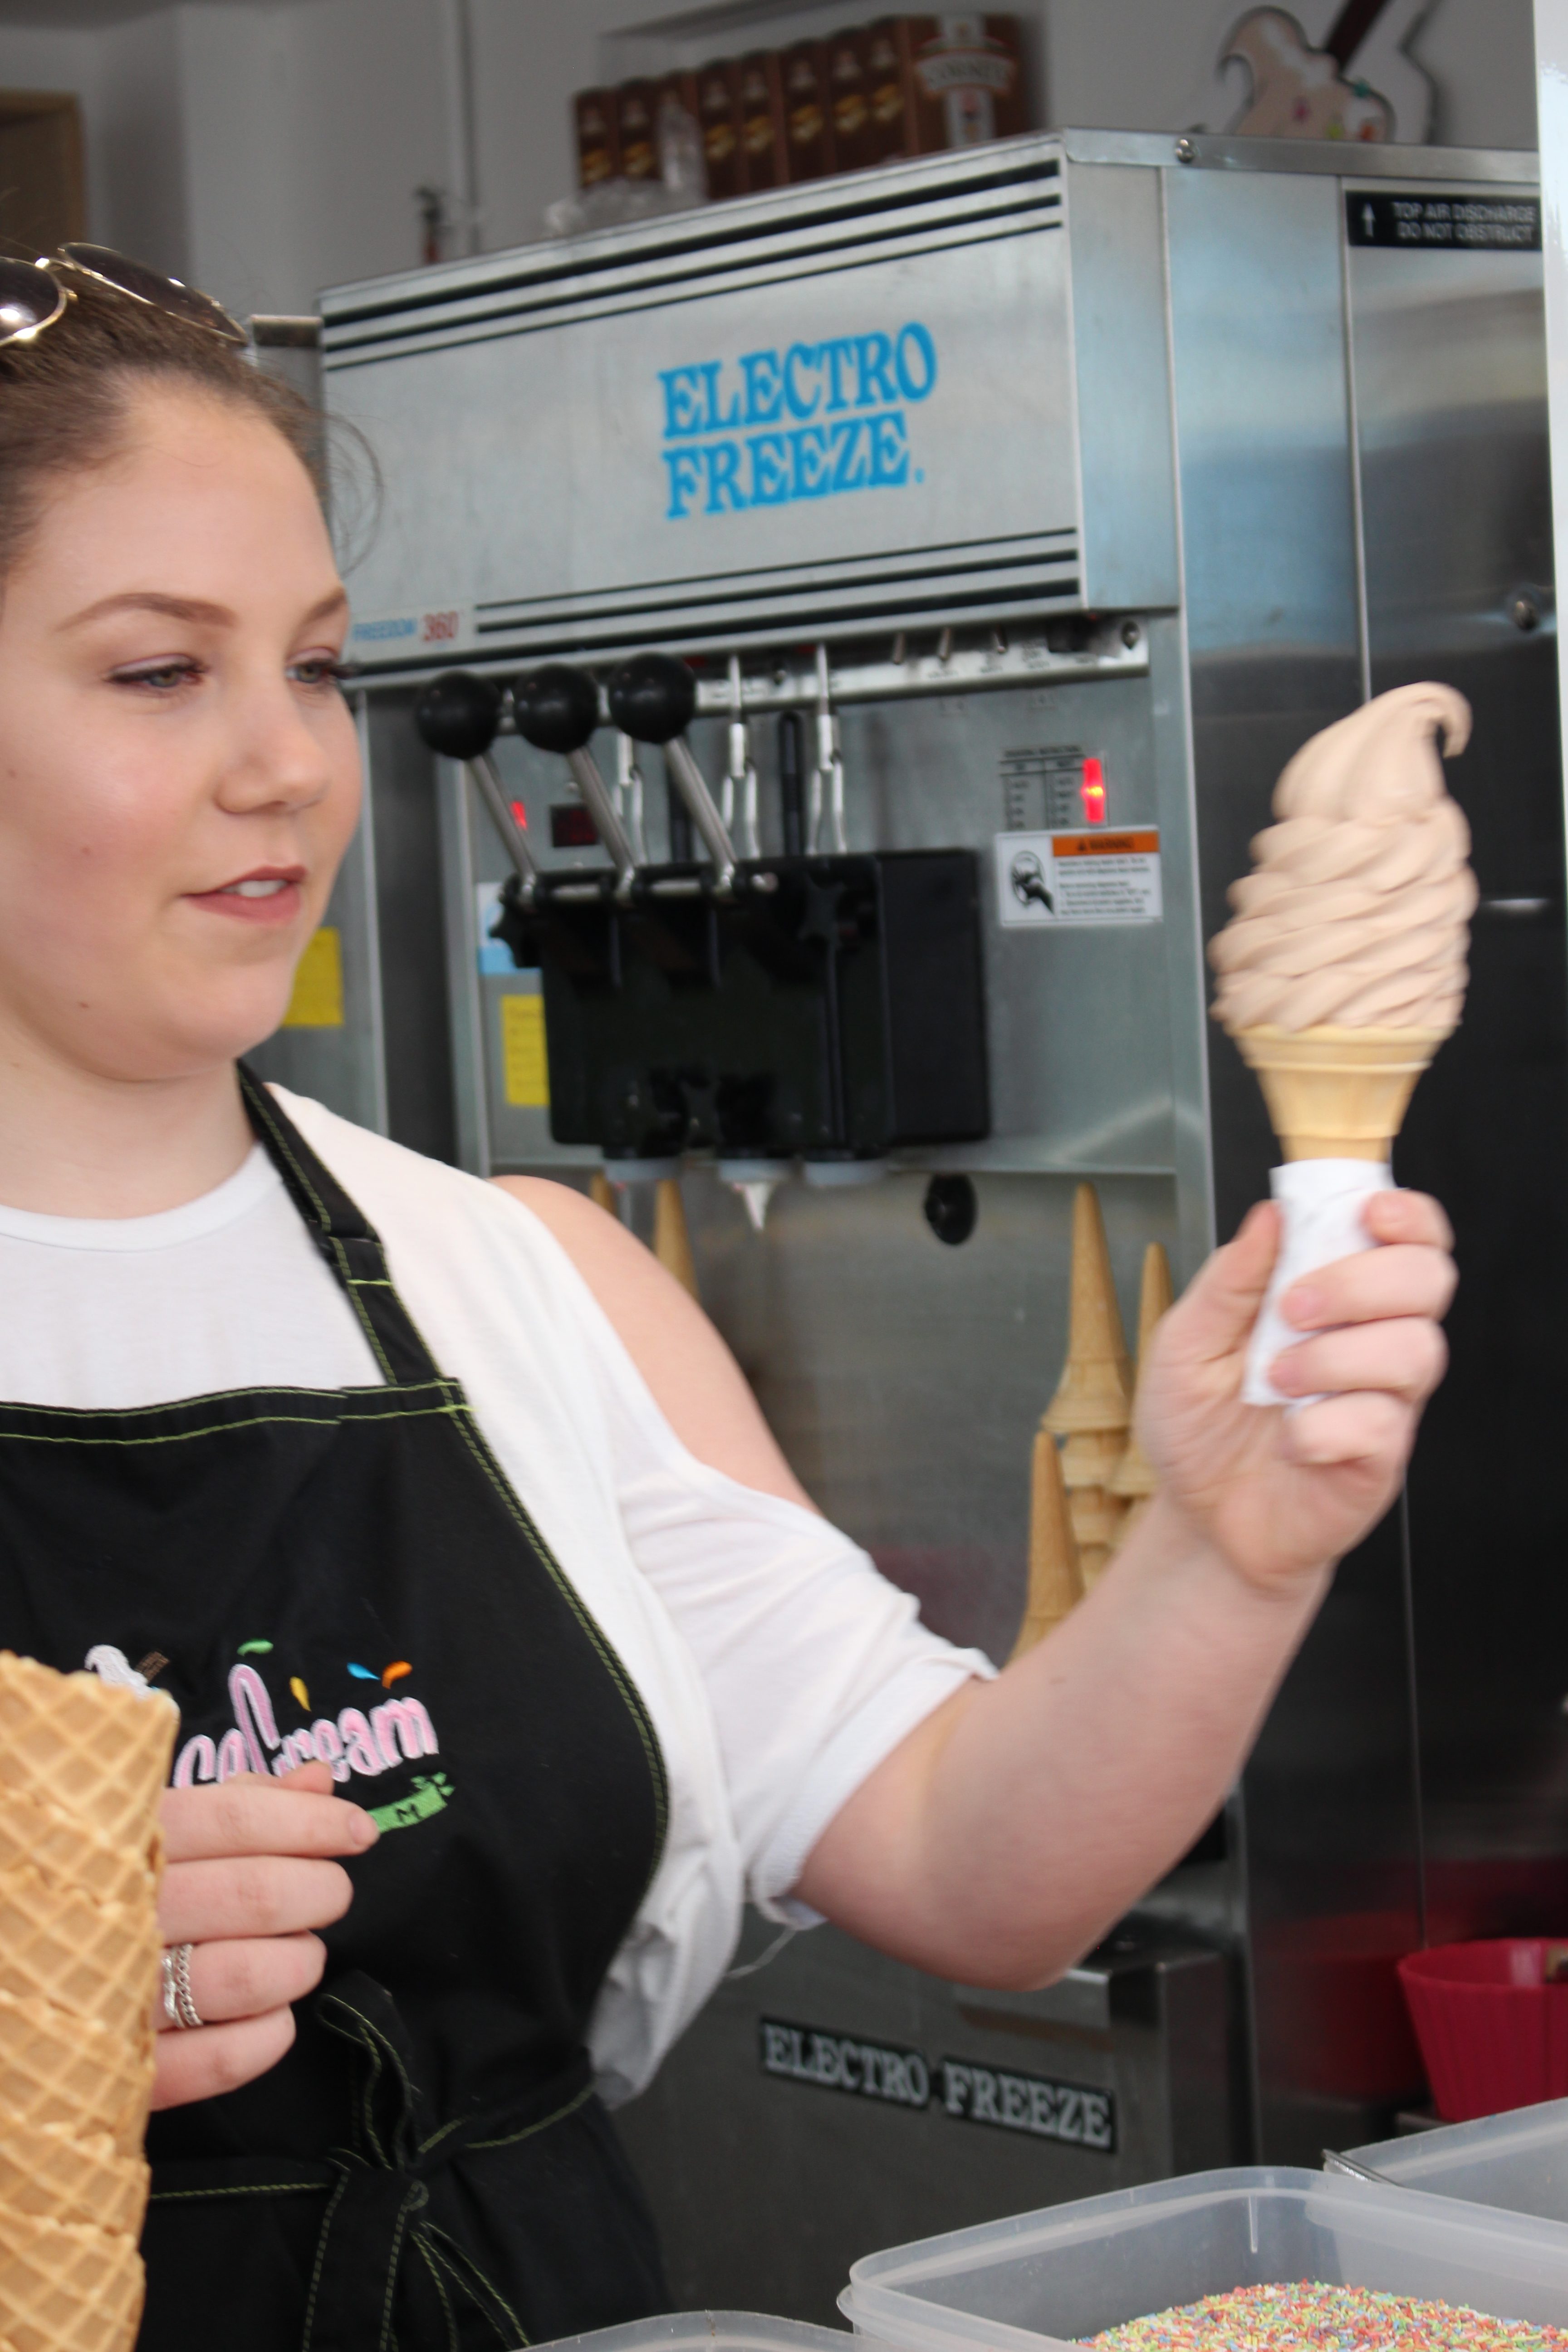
[1092,791]
[519,816]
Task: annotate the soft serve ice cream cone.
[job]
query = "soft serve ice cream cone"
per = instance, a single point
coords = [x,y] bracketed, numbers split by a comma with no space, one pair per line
[1343,967]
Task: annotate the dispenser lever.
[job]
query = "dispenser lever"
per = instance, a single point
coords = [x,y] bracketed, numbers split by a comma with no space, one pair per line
[458,715]
[652,697]
[557,711]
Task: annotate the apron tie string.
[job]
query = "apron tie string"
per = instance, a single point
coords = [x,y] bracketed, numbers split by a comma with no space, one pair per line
[375,2245]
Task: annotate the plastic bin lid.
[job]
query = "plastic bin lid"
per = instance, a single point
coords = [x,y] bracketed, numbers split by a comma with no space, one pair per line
[708,2331]
[1518,2161]
[1052,2278]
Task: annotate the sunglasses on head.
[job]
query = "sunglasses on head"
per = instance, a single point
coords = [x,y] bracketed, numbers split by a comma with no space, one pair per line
[35,294]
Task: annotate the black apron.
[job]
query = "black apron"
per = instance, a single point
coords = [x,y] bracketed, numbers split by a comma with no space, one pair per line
[348,1574]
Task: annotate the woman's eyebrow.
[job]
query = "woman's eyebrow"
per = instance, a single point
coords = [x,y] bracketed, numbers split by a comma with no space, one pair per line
[194,610]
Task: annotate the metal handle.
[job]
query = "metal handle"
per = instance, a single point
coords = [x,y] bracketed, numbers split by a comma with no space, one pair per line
[1346,2165]
[492,792]
[606,815]
[692,786]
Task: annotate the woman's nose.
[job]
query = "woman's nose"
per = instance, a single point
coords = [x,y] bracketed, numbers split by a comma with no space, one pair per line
[276,756]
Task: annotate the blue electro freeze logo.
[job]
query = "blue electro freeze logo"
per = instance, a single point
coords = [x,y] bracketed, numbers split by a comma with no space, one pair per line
[810,422]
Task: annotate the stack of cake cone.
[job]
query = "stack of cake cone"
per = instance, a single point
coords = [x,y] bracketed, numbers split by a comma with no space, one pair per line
[1337,1094]
[1134,1480]
[1055,1575]
[82,1767]
[671,1235]
[1092,1408]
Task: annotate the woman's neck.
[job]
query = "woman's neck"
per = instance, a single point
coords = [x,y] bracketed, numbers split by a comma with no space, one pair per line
[74,1143]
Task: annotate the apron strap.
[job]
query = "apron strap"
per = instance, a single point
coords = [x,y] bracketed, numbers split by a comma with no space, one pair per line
[345,1237]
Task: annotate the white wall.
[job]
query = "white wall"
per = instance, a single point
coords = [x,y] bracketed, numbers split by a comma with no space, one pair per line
[268,147]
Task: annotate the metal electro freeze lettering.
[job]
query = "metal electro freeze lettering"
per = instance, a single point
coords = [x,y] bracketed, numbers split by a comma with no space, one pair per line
[808,421]
[1027,2103]
[840,2061]
[1069,2112]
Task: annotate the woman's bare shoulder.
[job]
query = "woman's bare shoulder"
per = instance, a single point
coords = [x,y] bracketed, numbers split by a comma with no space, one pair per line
[693,1377]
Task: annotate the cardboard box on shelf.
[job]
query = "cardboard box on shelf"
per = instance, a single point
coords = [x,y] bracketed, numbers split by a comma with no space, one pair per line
[718,118]
[598,149]
[636,105]
[808,129]
[891,113]
[763,154]
[849,101]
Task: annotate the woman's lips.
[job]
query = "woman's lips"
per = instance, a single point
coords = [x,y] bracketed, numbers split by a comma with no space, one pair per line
[269,898]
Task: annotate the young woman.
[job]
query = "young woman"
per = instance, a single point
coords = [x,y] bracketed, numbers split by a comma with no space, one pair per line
[444,1493]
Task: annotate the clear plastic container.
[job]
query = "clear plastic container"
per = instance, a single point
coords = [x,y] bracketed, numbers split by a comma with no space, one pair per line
[1054,2277]
[708,2331]
[1518,2160]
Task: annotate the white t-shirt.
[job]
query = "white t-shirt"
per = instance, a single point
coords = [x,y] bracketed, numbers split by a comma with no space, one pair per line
[778,1666]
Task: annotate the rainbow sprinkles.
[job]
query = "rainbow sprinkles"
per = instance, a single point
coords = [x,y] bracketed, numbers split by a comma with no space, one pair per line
[1308,2316]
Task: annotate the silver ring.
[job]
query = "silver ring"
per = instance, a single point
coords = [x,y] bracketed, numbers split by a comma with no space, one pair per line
[179,2005]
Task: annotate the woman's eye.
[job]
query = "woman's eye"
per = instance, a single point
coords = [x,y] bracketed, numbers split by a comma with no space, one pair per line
[320,669]
[162,678]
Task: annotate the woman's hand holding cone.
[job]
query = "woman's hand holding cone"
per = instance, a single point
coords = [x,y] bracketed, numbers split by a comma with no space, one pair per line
[1282,1494]
[251,1876]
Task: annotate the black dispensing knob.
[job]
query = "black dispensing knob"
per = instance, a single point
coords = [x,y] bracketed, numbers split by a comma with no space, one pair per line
[652,697]
[458,714]
[557,709]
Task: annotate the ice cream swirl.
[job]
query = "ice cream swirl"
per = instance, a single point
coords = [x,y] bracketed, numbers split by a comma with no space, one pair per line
[1357,910]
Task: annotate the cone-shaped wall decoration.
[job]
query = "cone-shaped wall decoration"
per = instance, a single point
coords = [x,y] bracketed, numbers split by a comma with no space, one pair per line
[1092,1407]
[1094,1393]
[1055,1580]
[601,1192]
[1134,1478]
[672,1240]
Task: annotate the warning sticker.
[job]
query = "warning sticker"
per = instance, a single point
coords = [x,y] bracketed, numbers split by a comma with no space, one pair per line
[317,1002]
[1044,879]
[525,1068]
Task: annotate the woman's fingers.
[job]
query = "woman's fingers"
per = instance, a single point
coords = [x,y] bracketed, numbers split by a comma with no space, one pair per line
[211,2059]
[252,1815]
[1406,1358]
[1403,1279]
[1397,1216]
[250,1894]
[1373,1428]
[1214,1315]
[249,1976]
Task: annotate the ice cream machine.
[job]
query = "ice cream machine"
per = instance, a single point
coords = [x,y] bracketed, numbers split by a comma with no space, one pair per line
[821,662]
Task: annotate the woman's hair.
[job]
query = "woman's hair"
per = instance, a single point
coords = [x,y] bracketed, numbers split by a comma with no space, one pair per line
[65,399]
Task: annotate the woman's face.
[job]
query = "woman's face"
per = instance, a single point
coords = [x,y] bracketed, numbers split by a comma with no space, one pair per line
[179,773]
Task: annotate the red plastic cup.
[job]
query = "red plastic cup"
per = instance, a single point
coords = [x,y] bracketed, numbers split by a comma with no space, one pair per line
[1492,2023]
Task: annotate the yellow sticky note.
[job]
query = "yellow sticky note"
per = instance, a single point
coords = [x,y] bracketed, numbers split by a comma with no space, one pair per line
[525,1072]
[317,999]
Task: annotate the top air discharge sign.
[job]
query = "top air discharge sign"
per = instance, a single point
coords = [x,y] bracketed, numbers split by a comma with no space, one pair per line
[809,421]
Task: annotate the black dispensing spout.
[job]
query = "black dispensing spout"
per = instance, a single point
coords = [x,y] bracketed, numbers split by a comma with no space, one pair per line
[557,709]
[792,784]
[457,715]
[652,699]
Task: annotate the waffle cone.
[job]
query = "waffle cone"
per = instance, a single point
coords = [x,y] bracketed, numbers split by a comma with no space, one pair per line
[51,2172]
[69,1855]
[92,1751]
[95,1961]
[57,2069]
[1334,1093]
[67,2287]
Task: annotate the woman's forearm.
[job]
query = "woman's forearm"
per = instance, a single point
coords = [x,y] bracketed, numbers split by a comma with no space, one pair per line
[1002,1837]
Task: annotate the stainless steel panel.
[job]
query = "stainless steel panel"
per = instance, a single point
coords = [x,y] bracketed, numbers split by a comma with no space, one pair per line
[904,1378]
[1116,232]
[743,2218]
[344,1067]
[1330,1831]
[1450,375]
